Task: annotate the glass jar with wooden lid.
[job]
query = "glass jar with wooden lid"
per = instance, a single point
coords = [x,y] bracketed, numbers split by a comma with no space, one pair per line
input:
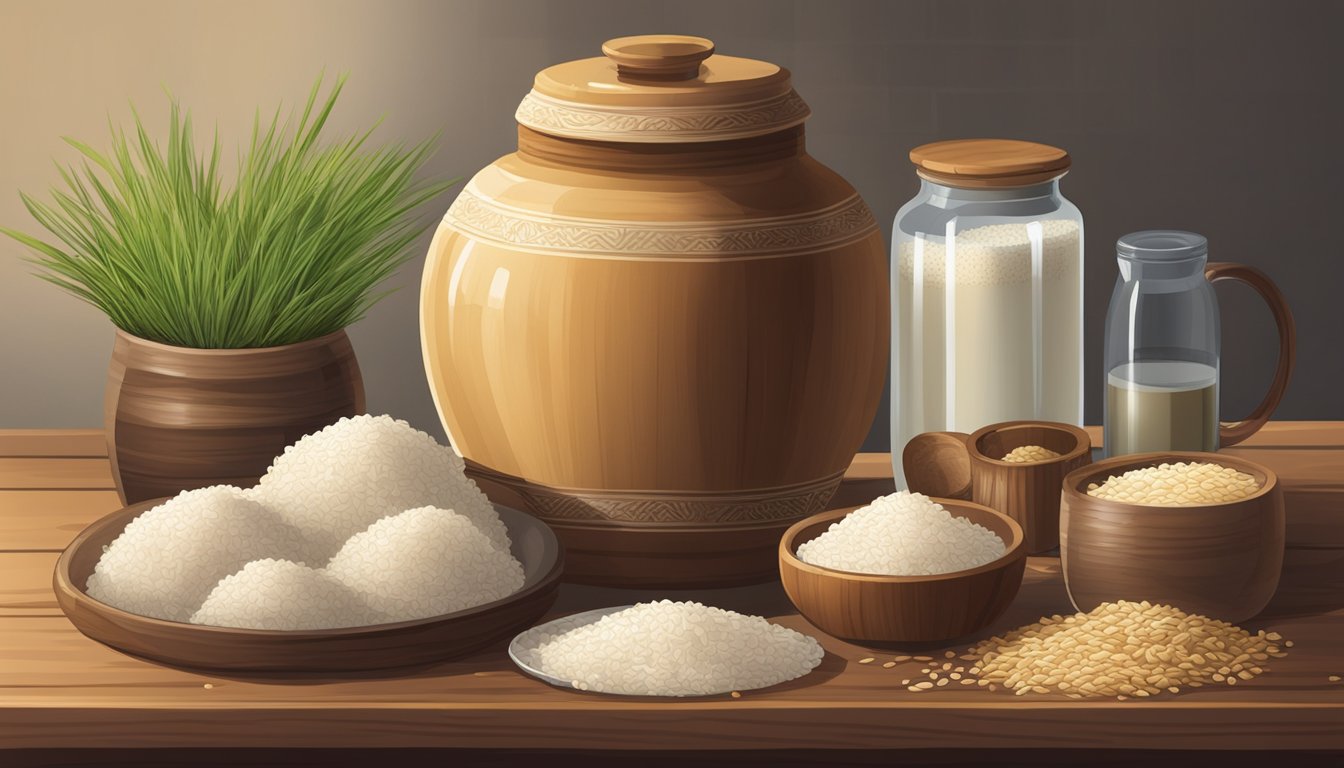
[987,288]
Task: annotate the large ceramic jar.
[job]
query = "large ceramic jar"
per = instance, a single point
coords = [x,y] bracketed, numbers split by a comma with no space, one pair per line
[659,325]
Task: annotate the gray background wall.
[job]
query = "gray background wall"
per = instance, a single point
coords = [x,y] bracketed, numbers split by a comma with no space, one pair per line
[1220,117]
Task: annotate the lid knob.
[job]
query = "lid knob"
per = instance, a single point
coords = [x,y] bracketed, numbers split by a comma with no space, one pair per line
[658,57]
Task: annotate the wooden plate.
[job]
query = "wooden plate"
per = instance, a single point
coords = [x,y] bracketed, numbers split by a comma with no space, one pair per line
[382,646]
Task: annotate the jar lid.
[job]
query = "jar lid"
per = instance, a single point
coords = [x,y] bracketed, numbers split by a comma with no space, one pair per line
[661,89]
[1162,245]
[989,162]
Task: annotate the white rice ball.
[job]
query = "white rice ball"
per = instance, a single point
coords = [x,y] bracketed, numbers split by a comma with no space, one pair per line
[280,594]
[902,534]
[425,562]
[673,649]
[337,482]
[169,558]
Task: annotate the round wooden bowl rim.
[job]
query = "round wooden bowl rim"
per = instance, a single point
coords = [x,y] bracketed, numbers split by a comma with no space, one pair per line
[1084,443]
[1106,467]
[634,526]
[1015,549]
[64,583]
[319,341]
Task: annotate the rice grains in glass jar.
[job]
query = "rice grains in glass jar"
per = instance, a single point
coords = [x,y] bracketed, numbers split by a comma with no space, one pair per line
[987,284]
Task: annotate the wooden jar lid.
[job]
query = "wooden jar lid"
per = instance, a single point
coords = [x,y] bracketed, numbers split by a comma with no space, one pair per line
[981,163]
[662,89]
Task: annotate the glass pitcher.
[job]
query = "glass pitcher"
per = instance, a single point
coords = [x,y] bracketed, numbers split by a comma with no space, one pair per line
[1162,347]
[987,289]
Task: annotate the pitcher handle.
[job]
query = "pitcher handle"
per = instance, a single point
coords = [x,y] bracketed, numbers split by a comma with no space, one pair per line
[1231,433]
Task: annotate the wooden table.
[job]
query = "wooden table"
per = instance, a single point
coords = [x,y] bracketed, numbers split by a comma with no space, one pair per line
[61,691]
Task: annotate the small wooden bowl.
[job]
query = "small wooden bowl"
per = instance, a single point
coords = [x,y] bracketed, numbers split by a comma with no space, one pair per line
[868,607]
[1028,492]
[405,643]
[1220,560]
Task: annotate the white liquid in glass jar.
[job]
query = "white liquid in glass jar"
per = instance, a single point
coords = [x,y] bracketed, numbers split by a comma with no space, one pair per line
[1002,340]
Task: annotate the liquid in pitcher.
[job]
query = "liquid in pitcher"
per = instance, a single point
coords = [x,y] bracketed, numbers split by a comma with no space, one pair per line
[1161,405]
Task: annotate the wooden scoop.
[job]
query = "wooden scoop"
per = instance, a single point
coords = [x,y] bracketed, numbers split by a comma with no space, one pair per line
[937,464]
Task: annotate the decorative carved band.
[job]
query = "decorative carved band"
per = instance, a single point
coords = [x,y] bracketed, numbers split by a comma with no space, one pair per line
[483,219]
[660,124]
[760,505]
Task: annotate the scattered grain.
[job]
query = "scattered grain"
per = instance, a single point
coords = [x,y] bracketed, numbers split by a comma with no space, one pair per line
[1122,649]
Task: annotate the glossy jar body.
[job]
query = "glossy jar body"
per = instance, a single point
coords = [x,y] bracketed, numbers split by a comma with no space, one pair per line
[1002,340]
[1162,343]
[670,352]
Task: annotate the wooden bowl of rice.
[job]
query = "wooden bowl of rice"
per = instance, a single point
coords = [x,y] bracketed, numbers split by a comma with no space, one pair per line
[904,610]
[1219,556]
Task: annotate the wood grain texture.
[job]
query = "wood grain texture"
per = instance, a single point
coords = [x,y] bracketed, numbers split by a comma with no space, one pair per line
[49,520]
[60,689]
[405,643]
[903,609]
[1219,560]
[25,584]
[938,464]
[585,344]
[981,163]
[179,418]
[87,443]
[1231,433]
[41,474]
[1026,492]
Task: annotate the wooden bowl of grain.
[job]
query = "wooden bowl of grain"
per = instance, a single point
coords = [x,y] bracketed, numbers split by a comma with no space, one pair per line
[875,608]
[1027,491]
[1220,559]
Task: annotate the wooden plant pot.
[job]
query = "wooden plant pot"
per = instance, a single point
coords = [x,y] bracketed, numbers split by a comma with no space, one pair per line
[178,418]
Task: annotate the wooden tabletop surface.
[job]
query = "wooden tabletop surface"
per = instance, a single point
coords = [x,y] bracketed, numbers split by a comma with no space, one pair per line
[59,689]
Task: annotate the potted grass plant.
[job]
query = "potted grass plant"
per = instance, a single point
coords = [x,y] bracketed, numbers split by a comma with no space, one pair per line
[230,300]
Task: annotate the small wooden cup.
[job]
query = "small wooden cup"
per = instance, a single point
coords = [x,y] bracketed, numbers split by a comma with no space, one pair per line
[1028,492]
[867,607]
[1220,560]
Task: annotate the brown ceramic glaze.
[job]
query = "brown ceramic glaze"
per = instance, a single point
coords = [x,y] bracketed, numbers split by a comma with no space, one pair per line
[670,322]
[1028,492]
[903,609]
[406,643]
[1220,560]
[178,418]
